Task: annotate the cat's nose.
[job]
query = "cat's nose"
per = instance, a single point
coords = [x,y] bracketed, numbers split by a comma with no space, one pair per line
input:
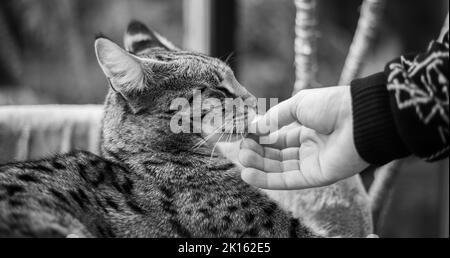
[240,91]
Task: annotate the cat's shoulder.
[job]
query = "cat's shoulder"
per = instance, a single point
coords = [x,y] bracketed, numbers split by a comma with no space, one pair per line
[68,161]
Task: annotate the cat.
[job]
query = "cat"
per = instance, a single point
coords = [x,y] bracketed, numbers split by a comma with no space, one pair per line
[149,181]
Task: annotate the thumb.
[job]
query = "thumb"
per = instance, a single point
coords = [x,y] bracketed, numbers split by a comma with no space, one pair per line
[299,108]
[317,109]
[277,117]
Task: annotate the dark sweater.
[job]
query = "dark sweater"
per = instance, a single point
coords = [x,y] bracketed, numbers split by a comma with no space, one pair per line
[404,110]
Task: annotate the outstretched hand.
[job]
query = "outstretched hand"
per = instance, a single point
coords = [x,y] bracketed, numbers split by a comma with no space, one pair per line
[314,146]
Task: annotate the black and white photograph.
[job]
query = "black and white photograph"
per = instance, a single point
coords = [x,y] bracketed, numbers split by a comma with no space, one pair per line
[224,119]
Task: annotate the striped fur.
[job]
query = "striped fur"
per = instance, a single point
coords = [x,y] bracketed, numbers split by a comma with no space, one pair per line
[150,182]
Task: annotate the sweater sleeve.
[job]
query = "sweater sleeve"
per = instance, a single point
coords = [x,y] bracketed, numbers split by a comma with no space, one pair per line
[404,110]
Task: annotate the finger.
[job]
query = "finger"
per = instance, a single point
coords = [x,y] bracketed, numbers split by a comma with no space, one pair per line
[290,154]
[281,155]
[274,154]
[249,158]
[277,117]
[318,109]
[288,180]
[252,145]
[271,153]
[260,150]
[253,137]
[282,139]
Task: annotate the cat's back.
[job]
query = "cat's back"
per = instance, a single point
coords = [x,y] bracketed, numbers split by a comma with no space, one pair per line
[222,205]
[58,173]
[51,197]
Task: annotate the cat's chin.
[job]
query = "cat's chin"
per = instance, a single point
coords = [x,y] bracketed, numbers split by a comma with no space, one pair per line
[225,137]
[212,133]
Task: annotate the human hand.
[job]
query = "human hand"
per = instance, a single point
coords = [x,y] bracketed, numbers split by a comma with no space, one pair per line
[314,148]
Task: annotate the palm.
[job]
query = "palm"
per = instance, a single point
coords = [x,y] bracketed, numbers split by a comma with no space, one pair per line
[300,157]
[321,157]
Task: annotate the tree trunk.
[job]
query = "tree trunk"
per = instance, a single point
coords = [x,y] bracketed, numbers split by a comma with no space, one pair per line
[368,23]
[10,62]
[305,45]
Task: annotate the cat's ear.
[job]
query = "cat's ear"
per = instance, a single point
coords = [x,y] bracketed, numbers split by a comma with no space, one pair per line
[124,70]
[138,38]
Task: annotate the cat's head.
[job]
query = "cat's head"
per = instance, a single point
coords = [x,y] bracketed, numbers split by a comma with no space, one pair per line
[155,84]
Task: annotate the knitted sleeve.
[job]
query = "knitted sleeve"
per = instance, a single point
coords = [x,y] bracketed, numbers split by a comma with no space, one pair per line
[404,110]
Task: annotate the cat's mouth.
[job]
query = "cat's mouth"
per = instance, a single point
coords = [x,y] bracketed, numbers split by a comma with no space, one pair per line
[233,128]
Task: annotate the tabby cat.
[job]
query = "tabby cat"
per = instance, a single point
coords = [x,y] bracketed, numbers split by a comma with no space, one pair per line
[150,181]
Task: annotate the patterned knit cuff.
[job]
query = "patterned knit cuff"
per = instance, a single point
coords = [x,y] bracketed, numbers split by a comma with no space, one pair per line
[376,138]
[418,89]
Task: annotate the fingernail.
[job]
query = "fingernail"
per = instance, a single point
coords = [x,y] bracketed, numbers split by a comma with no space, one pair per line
[254,124]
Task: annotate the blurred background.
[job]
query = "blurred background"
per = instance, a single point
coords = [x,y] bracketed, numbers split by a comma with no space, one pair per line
[47,56]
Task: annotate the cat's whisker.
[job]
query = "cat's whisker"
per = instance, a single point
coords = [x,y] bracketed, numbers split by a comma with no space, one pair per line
[215,144]
[222,134]
[144,170]
[242,136]
[229,137]
[227,60]
[203,141]
[200,142]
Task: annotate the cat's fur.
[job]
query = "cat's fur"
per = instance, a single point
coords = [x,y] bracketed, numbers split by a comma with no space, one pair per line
[150,182]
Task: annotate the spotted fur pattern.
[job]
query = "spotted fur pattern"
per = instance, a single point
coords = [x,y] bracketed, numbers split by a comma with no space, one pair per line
[149,182]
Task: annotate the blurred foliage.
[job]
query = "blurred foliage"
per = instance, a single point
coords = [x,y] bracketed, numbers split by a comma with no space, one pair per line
[54,40]
[265,47]
[266,39]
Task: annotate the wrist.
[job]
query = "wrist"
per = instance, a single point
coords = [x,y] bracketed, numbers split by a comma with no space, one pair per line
[375,135]
[345,107]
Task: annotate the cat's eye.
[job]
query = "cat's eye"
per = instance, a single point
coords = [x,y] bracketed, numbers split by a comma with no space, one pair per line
[226,91]
[218,76]
[217,93]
